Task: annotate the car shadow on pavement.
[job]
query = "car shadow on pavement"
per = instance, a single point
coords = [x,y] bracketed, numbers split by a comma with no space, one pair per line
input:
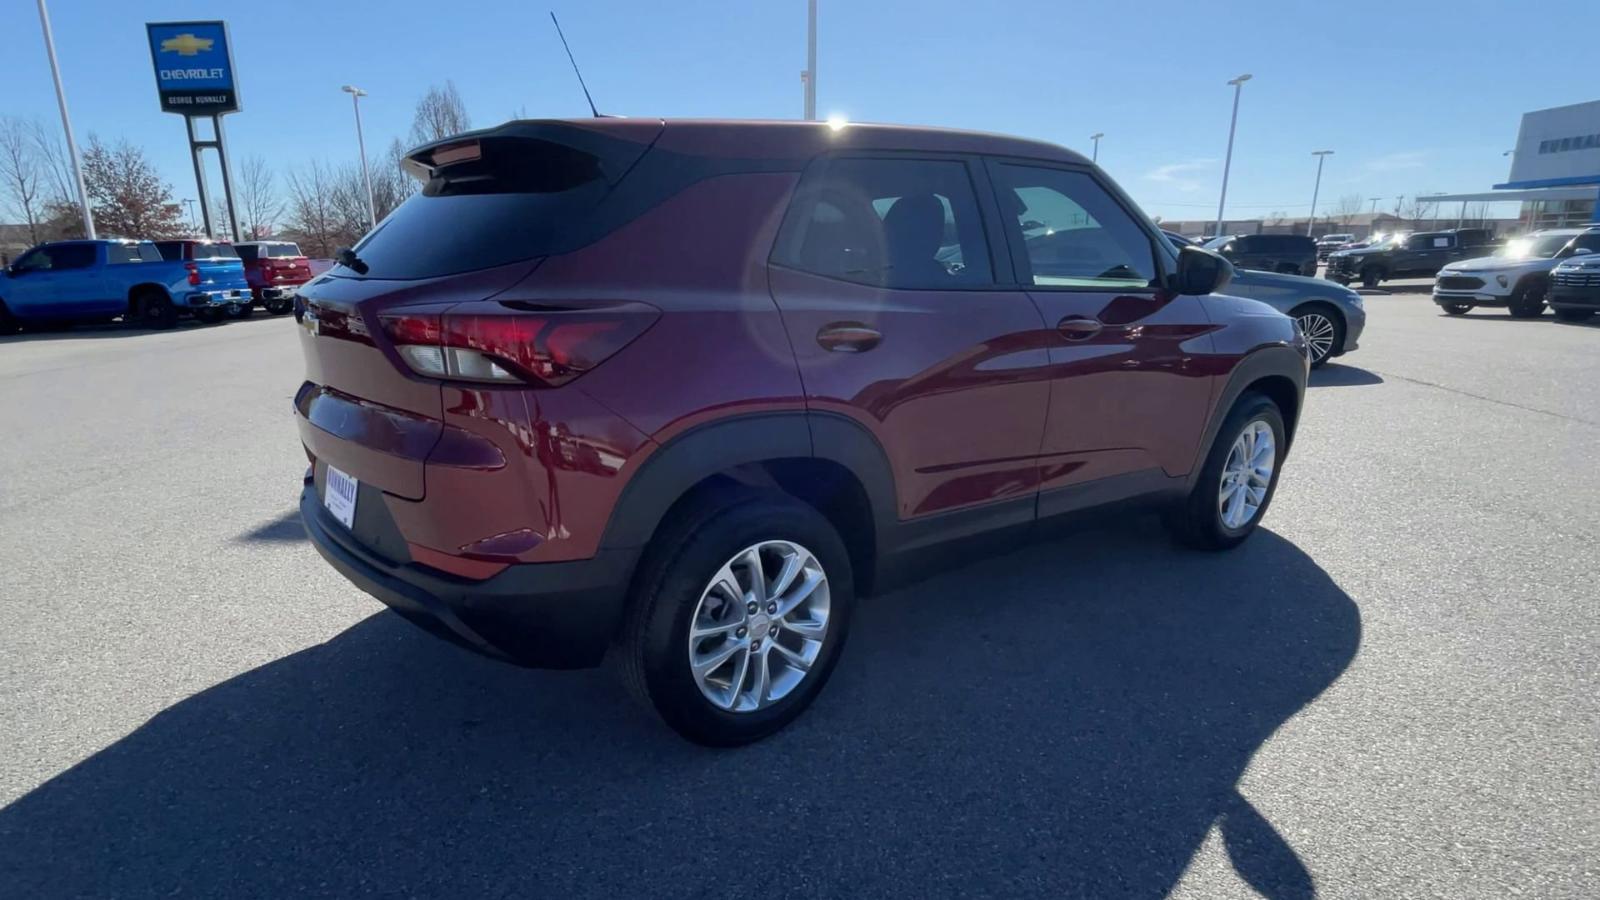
[99,331]
[285,529]
[1337,375]
[1071,719]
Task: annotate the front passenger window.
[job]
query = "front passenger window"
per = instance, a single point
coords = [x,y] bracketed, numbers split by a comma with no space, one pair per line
[1072,232]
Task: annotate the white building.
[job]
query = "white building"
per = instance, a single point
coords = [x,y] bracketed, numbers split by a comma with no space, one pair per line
[1555,168]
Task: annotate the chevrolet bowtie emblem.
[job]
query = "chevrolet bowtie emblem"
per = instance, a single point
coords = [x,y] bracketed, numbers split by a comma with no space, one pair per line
[186,45]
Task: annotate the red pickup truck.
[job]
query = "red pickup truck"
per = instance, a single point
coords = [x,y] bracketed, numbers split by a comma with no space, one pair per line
[274,269]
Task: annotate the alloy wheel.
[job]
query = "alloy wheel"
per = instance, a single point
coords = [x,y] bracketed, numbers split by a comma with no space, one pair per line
[1319,332]
[1246,475]
[759,626]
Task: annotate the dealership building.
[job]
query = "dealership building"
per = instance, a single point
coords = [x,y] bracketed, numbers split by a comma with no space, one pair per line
[1555,169]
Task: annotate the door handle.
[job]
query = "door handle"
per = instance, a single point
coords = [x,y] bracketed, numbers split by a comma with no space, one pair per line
[848,337]
[1078,328]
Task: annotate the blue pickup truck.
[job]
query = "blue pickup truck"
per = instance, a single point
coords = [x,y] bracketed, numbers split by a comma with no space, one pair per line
[64,282]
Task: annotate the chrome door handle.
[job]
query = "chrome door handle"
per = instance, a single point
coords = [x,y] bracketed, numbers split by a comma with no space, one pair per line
[1078,328]
[848,337]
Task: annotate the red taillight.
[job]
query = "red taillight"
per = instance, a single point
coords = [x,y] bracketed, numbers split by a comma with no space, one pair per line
[514,342]
[194,272]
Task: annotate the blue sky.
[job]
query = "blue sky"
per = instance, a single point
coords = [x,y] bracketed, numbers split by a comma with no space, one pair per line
[1412,96]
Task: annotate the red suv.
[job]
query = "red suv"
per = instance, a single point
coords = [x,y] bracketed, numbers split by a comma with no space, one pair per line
[685,390]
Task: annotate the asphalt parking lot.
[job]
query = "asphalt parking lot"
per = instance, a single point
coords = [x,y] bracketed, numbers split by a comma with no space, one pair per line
[1392,690]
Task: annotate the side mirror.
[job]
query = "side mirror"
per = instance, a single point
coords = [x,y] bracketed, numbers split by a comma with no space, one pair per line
[1201,272]
[1580,251]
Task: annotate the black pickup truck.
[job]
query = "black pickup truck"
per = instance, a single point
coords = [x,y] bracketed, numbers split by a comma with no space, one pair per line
[1419,255]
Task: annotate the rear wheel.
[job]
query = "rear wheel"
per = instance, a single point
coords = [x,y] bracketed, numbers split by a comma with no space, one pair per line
[1456,309]
[240,310]
[155,310]
[8,322]
[277,307]
[740,610]
[1371,276]
[1323,328]
[1238,479]
[1574,315]
[1527,301]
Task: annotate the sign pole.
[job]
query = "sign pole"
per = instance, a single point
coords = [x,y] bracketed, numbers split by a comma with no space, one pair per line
[199,176]
[227,178]
[66,124]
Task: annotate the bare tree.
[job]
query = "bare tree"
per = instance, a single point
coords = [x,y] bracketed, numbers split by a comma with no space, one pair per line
[21,173]
[1418,209]
[313,215]
[1277,217]
[128,195]
[440,113]
[1346,209]
[390,183]
[260,205]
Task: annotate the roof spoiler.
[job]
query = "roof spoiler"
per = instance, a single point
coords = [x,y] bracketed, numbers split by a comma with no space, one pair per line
[615,147]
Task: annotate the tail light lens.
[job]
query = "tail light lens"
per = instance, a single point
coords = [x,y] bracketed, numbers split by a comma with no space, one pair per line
[194,272]
[514,342]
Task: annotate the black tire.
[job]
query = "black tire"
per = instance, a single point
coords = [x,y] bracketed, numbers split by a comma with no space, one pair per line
[155,310]
[681,560]
[1371,277]
[1320,353]
[210,315]
[1196,521]
[1574,315]
[277,307]
[8,322]
[1456,309]
[1527,301]
[242,311]
[1339,279]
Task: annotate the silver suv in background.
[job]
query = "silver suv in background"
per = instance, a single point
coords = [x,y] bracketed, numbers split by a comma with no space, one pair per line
[1331,242]
[1330,315]
[1515,278]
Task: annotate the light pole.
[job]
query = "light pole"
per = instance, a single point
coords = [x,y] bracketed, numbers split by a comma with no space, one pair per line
[1227,162]
[809,76]
[189,202]
[355,100]
[66,123]
[1096,138]
[1322,156]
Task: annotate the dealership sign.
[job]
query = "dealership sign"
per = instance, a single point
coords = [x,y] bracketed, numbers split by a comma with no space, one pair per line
[194,67]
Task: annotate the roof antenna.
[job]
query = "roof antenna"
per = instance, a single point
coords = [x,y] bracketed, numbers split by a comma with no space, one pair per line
[575,71]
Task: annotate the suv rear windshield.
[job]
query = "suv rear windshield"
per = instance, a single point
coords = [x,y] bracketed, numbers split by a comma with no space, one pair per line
[508,201]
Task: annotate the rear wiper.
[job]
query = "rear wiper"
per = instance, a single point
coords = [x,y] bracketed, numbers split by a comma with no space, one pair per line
[350,260]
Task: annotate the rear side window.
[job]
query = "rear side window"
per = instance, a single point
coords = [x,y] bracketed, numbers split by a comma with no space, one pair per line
[215,251]
[1072,232]
[248,252]
[508,201]
[131,253]
[170,250]
[892,223]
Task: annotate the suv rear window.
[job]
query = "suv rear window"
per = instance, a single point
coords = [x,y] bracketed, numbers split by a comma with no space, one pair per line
[215,251]
[509,200]
[281,250]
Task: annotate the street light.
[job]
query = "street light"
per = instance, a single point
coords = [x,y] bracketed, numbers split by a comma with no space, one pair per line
[1322,156]
[809,76]
[355,100]
[1096,138]
[189,202]
[1227,163]
[66,123]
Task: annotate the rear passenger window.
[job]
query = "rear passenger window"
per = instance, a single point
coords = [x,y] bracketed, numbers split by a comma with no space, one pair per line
[1073,234]
[893,223]
[116,254]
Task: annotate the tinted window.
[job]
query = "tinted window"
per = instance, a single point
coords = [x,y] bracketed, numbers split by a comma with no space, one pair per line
[71,256]
[248,252]
[170,250]
[1073,233]
[1587,241]
[277,250]
[35,259]
[215,251]
[890,223]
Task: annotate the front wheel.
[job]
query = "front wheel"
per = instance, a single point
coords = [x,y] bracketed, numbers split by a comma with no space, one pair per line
[1371,277]
[1238,479]
[1574,315]
[1527,302]
[1324,331]
[740,613]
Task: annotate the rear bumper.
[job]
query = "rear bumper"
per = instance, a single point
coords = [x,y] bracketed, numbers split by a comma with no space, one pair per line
[276,292]
[542,615]
[204,299]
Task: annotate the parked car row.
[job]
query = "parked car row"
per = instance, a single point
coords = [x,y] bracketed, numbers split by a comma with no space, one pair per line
[1523,277]
[1419,255]
[148,283]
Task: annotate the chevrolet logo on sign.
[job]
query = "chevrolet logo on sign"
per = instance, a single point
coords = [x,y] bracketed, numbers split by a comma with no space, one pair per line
[186,45]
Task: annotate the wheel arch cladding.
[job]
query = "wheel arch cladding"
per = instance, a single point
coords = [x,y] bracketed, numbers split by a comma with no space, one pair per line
[823,460]
[1279,373]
